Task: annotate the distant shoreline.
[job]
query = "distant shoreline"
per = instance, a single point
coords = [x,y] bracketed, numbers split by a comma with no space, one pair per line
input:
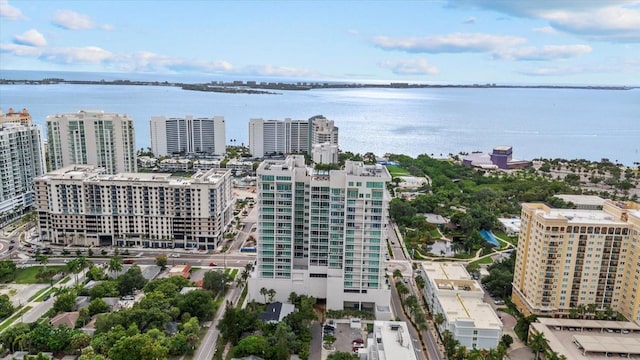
[267,88]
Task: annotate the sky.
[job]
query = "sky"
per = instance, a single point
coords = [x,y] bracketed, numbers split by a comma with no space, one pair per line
[585,42]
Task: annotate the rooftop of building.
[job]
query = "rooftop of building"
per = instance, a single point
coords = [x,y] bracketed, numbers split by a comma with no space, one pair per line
[579,216]
[570,337]
[453,283]
[445,271]
[591,200]
[511,222]
[93,173]
[391,340]
[81,114]
[457,307]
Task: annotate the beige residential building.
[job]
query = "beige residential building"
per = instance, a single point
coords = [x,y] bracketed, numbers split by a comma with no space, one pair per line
[13,116]
[82,205]
[92,137]
[570,257]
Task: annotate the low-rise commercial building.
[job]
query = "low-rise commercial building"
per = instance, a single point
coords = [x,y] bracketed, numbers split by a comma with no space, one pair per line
[81,205]
[450,291]
[390,340]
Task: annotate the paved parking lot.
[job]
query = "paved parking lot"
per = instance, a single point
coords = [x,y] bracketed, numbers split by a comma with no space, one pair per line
[345,335]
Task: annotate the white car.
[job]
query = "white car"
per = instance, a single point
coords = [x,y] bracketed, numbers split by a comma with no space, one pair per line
[175,255]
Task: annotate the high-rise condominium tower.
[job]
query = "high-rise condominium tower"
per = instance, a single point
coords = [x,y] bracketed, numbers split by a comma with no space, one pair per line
[92,137]
[187,135]
[21,160]
[567,258]
[273,137]
[323,233]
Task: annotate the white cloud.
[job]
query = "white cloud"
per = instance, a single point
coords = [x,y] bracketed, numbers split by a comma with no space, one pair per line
[20,50]
[71,20]
[451,43]
[618,66]
[549,52]
[470,20]
[410,67]
[282,71]
[10,12]
[144,61]
[77,55]
[609,23]
[611,20]
[545,30]
[30,38]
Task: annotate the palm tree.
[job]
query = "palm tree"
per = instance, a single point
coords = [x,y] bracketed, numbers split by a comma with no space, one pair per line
[115,265]
[438,319]
[44,260]
[73,266]
[272,294]
[264,292]
[552,355]
[591,309]
[538,343]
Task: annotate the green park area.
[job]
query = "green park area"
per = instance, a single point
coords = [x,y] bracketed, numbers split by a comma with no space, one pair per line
[34,274]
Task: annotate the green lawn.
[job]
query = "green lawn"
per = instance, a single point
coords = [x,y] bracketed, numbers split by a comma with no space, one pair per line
[485,260]
[397,171]
[28,275]
[233,274]
[512,239]
[10,320]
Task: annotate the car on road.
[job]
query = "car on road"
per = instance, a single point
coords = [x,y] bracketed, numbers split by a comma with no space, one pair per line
[175,255]
[213,264]
[10,247]
[12,242]
[128,261]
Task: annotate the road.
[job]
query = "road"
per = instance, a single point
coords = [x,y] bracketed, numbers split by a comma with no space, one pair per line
[208,344]
[397,310]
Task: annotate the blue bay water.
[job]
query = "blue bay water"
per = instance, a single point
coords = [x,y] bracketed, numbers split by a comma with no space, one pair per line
[550,123]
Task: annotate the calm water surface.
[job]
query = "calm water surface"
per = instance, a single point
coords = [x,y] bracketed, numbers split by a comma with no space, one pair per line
[590,124]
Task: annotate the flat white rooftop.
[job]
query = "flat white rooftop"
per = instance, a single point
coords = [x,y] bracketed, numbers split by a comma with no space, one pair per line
[575,216]
[591,200]
[459,307]
[445,270]
[588,339]
[391,340]
[460,296]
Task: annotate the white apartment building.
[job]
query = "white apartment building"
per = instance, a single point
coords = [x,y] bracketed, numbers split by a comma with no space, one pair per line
[188,135]
[323,233]
[322,130]
[21,160]
[273,137]
[391,340]
[97,138]
[324,153]
[82,205]
[450,291]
